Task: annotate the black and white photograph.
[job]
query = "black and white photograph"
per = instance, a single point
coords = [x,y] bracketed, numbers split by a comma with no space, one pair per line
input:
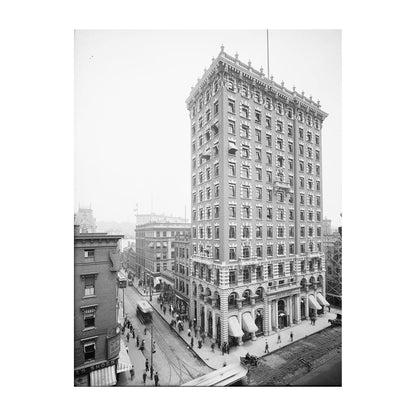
[207,223]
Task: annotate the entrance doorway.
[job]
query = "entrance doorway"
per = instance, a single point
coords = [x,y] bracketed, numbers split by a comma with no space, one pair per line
[281,314]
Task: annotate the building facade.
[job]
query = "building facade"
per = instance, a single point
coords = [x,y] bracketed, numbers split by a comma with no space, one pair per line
[256,242]
[155,252]
[333,257]
[86,221]
[147,218]
[96,332]
[182,268]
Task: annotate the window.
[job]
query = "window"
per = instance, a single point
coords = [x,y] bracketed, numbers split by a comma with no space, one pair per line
[269,251]
[268,122]
[302,215]
[258,174]
[318,231]
[89,254]
[269,232]
[208,193]
[281,214]
[291,164]
[289,113]
[246,211]
[291,248]
[89,351]
[280,269]
[302,248]
[217,253]
[317,155]
[309,152]
[290,130]
[310,215]
[208,115]
[231,127]
[259,251]
[302,231]
[309,167]
[215,86]
[244,111]
[280,108]
[268,104]
[318,201]
[310,231]
[258,136]
[245,172]
[257,97]
[258,155]
[310,199]
[216,190]
[269,195]
[269,213]
[232,255]
[231,169]
[244,90]
[301,166]
[279,126]
[200,122]
[231,211]
[246,232]
[246,252]
[232,190]
[318,170]
[318,185]
[269,176]
[291,180]
[268,158]
[216,169]
[291,231]
[259,211]
[280,161]
[245,152]
[201,214]
[89,285]
[246,191]
[217,232]
[209,232]
[310,184]
[308,136]
[231,106]
[216,107]
[279,144]
[259,231]
[257,116]
[89,318]
[302,199]
[291,215]
[208,213]
[301,149]
[300,133]
[318,216]
[246,275]
[268,140]
[231,277]
[280,232]
[258,193]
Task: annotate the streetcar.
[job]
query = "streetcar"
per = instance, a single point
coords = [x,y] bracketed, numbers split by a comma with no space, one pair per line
[144,311]
[225,376]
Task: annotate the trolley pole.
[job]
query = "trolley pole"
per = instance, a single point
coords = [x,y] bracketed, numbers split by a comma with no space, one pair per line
[151,349]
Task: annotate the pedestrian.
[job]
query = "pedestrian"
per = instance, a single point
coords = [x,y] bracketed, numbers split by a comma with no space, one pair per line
[192,342]
[224,364]
[128,336]
[224,348]
[127,349]
[137,342]
[134,335]
[147,365]
[266,349]
[200,343]
[228,348]
[142,345]
[144,377]
[145,330]
[189,332]
[203,337]
[156,378]
[212,346]
[291,336]
[132,372]
[278,339]
[164,310]
[151,372]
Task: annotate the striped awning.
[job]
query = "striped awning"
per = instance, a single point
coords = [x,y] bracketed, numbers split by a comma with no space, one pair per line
[234,327]
[124,362]
[313,304]
[103,377]
[248,323]
[320,298]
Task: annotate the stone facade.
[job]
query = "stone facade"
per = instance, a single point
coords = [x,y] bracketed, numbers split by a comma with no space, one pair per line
[256,201]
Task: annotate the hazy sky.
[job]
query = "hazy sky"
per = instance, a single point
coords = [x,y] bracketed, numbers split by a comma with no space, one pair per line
[132,131]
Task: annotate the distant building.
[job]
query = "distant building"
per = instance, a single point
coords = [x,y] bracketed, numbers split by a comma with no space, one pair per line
[86,221]
[96,333]
[333,255]
[182,270]
[152,218]
[155,251]
[326,226]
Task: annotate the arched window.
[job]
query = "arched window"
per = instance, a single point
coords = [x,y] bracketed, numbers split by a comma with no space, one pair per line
[259,293]
[232,299]
[246,297]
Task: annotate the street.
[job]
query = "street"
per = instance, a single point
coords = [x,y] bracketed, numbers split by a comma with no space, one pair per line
[174,362]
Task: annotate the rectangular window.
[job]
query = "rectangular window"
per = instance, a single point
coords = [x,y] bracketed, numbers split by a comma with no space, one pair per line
[291,231]
[231,106]
[258,193]
[270,232]
[258,136]
[89,286]
[216,107]
[279,126]
[216,211]
[268,140]
[89,254]
[269,213]
[245,152]
[268,158]
[246,191]
[89,319]
[280,144]
[216,169]
[244,111]
[269,195]
[246,212]
[232,253]
[231,127]
[302,215]
[269,176]
[231,211]
[217,253]
[268,122]
[257,115]
[258,174]
[300,133]
[259,251]
[291,248]
[89,351]
[269,251]
[232,190]
[259,233]
[302,231]
[280,232]
[217,232]
[231,277]
[259,212]
[258,155]
[231,169]
[216,190]
[246,172]
[208,115]
[232,231]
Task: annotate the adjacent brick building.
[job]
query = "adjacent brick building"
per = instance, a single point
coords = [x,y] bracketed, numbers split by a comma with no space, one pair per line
[96,332]
[256,242]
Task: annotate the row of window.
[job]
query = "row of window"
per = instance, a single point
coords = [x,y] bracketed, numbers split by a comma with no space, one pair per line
[247,210]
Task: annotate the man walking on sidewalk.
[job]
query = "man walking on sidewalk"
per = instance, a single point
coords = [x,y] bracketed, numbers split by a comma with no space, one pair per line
[291,336]
[147,365]
[144,377]
[156,379]
[132,372]
[278,339]
[151,372]
[266,349]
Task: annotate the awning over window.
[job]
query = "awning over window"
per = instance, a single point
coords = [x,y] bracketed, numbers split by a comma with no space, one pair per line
[206,154]
[234,327]
[124,363]
[232,148]
[320,298]
[248,323]
[313,304]
[104,377]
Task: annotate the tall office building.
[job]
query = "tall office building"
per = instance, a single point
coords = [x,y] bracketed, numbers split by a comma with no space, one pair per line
[258,262]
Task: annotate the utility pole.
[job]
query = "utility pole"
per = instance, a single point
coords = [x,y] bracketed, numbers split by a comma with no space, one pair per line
[151,350]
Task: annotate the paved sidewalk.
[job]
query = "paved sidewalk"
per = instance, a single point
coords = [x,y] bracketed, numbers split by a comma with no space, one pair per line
[216,360]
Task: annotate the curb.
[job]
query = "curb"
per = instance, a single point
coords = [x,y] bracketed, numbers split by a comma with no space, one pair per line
[194,353]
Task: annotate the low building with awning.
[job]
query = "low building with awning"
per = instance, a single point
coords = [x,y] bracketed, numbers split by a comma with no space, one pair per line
[320,298]
[313,303]
[104,377]
[234,327]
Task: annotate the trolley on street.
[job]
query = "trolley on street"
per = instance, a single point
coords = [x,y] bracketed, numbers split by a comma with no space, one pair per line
[144,311]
